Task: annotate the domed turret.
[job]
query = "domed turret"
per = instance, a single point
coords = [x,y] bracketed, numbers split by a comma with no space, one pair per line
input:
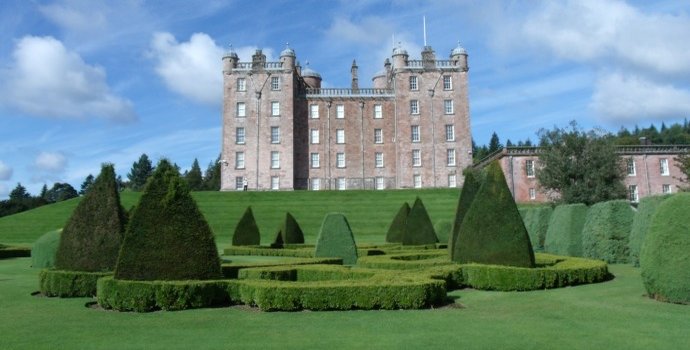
[379,79]
[311,77]
[288,57]
[400,57]
[459,56]
[230,60]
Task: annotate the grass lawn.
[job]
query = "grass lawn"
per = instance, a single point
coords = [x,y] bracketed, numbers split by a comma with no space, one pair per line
[611,315]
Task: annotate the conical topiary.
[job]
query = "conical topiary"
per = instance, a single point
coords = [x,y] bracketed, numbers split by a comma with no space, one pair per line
[469,190]
[289,232]
[246,231]
[44,249]
[167,238]
[492,231]
[395,231]
[91,239]
[443,229]
[419,230]
[336,239]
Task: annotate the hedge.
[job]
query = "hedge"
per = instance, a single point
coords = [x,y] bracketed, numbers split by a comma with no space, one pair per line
[397,227]
[467,194]
[405,261]
[640,225]
[564,235]
[7,252]
[606,231]
[664,260]
[68,284]
[443,229]
[246,231]
[231,270]
[44,249]
[536,221]
[336,239]
[418,228]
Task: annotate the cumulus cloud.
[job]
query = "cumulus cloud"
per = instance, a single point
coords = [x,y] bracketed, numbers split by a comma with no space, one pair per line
[47,80]
[628,98]
[5,171]
[54,162]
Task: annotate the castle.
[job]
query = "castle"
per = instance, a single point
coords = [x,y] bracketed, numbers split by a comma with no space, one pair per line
[283,131]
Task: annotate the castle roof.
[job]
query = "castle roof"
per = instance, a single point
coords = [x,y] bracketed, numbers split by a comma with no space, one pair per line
[308,72]
[458,50]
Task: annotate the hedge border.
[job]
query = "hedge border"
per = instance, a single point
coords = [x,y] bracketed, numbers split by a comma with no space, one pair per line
[69,284]
[14,252]
[307,250]
[231,270]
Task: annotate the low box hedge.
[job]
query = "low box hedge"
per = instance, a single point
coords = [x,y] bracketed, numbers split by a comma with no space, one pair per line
[299,251]
[406,261]
[230,270]
[14,252]
[68,284]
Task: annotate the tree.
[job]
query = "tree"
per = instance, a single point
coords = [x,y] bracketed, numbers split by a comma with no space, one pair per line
[212,176]
[193,177]
[494,143]
[60,192]
[683,164]
[581,167]
[86,185]
[19,193]
[140,172]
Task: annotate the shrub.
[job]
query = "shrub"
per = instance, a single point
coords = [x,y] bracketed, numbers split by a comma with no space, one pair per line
[536,221]
[44,249]
[564,235]
[397,227]
[231,270]
[289,232]
[643,218]
[443,230]
[92,236]
[405,261]
[69,284]
[469,190]
[246,231]
[418,229]
[664,258]
[167,237]
[336,239]
[305,252]
[492,231]
[606,231]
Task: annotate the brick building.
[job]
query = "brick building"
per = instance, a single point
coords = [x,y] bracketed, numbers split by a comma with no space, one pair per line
[283,131]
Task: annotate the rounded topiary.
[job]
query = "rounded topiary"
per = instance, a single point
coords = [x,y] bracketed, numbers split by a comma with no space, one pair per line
[564,235]
[397,227]
[167,237]
[606,231]
[492,231]
[336,239]
[664,259]
[289,232]
[246,231]
[44,249]
[92,237]
[469,190]
[643,218]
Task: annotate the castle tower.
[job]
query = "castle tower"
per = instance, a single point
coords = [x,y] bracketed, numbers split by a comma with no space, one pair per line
[400,57]
[355,78]
[459,57]
[230,60]
[287,57]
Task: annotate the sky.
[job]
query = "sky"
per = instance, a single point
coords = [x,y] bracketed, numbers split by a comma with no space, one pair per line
[85,82]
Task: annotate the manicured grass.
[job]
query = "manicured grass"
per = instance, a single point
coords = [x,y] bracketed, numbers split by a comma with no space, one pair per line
[611,315]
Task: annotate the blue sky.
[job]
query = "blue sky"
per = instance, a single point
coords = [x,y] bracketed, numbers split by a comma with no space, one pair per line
[84,82]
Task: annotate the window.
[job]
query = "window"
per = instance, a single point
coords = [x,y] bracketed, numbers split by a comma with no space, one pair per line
[315,184]
[532,194]
[448,106]
[450,157]
[314,111]
[450,132]
[415,133]
[663,166]
[314,136]
[340,111]
[340,136]
[275,134]
[447,82]
[632,193]
[378,111]
[417,181]
[239,160]
[275,159]
[340,160]
[413,83]
[315,160]
[341,184]
[275,109]
[666,189]
[414,107]
[241,84]
[416,157]
[378,136]
[452,181]
[529,168]
[241,111]
[380,185]
[239,183]
[630,165]
[275,83]
[275,183]
[239,136]
[378,159]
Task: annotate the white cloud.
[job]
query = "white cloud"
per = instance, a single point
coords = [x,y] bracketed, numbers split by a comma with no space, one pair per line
[81,17]
[54,162]
[370,31]
[47,80]
[5,171]
[626,98]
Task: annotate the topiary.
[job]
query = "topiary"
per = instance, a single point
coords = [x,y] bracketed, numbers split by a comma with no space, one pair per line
[246,231]
[606,231]
[536,221]
[469,190]
[664,261]
[336,239]
[397,227]
[443,229]
[167,237]
[492,231]
[564,235]
[418,229]
[92,236]
[44,249]
[640,226]
[289,232]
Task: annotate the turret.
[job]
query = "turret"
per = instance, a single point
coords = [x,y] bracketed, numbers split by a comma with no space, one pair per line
[288,57]
[311,77]
[400,57]
[355,78]
[230,60]
[459,57]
